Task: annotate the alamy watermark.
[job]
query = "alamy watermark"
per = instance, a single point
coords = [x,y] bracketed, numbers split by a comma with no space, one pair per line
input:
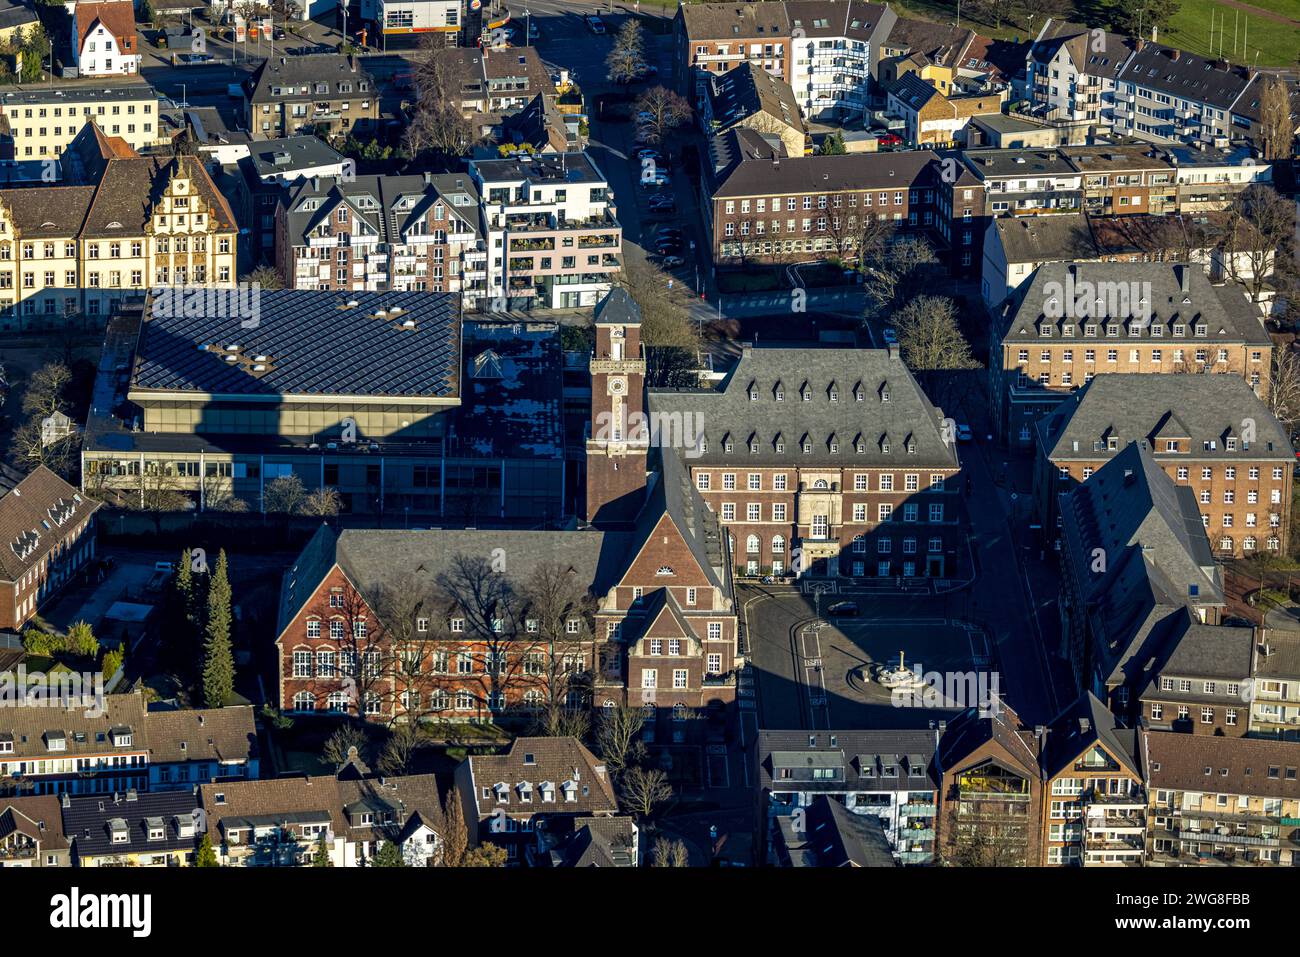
[242,301]
[21,688]
[1097,300]
[673,430]
[950,689]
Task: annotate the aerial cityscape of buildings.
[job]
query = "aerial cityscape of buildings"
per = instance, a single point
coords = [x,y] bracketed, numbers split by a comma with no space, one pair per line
[780,434]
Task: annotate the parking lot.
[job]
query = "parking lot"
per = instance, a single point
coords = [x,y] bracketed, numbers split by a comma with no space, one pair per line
[811,676]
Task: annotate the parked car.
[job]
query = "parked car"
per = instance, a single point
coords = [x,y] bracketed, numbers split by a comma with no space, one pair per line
[660,178]
[673,262]
[595,24]
[843,609]
[890,141]
[964,433]
[649,153]
[669,247]
[663,203]
[890,335]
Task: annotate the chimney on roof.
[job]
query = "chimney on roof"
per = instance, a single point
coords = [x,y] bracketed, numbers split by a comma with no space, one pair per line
[1128,477]
[428,178]
[1139,44]
[1184,278]
[65,800]
[1084,725]
[1175,54]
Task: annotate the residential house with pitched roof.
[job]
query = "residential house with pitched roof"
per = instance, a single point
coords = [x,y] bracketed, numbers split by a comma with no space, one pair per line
[934,119]
[31,833]
[103,38]
[754,99]
[1134,558]
[1275,685]
[1211,433]
[1072,72]
[328,93]
[283,822]
[1164,93]
[93,747]
[1094,801]
[830,835]
[1202,685]
[889,775]
[46,536]
[1221,801]
[133,828]
[990,797]
[538,786]
[383,233]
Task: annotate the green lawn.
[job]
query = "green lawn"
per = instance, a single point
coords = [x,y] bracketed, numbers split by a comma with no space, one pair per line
[1276,43]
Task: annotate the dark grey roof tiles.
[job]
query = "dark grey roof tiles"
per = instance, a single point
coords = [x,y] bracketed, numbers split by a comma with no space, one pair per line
[863,398]
[313,343]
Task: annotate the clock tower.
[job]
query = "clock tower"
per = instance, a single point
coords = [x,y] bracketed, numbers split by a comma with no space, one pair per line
[617,437]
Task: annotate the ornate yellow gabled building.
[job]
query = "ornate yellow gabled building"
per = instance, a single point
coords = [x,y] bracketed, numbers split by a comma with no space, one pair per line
[132,223]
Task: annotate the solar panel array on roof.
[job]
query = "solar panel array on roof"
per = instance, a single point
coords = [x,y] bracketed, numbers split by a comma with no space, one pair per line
[306,343]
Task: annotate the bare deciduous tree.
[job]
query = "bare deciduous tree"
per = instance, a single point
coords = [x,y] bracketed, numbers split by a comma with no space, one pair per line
[928,335]
[627,59]
[1276,128]
[1284,385]
[644,790]
[1259,234]
[671,853]
[617,736]
[666,111]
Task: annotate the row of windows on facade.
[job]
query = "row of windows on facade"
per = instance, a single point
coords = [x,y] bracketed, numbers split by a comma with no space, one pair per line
[329,664]
[1135,326]
[164,245]
[884,545]
[808,225]
[1183,714]
[820,524]
[1207,473]
[1067,378]
[836,201]
[372,703]
[806,445]
[681,676]
[112,279]
[861,482]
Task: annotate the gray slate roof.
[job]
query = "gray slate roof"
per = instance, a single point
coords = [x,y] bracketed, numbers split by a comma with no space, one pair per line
[892,406]
[828,174]
[374,558]
[276,158]
[1222,309]
[1083,723]
[314,343]
[1185,75]
[1032,239]
[1136,407]
[295,77]
[855,752]
[87,822]
[1157,557]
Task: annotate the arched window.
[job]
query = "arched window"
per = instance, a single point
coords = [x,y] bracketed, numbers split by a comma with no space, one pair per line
[304,701]
[338,701]
[533,699]
[752,545]
[821,484]
[665,570]
[778,544]
[608,703]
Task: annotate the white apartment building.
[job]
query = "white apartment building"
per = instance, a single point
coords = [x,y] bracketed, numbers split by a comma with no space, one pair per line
[833,50]
[552,238]
[1071,73]
[42,120]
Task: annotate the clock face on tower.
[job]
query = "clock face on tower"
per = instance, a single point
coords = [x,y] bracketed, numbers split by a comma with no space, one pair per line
[617,385]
